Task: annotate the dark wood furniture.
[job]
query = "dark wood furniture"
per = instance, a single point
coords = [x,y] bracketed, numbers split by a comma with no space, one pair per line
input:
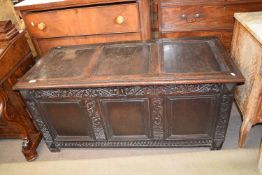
[161,93]
[187,18]
[15,60]
[74,22]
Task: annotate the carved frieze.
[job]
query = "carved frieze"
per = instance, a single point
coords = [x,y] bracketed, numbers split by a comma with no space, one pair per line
[125,91]
[138,143]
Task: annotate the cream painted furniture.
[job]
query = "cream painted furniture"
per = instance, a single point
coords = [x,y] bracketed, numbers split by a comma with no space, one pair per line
[247,54]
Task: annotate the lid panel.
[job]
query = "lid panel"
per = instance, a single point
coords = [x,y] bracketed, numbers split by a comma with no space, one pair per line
[157,62]
[190,57]
[127,60]
[63,63]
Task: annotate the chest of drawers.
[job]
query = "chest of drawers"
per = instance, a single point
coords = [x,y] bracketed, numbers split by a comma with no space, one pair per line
[164,93]
[57,23]
[185,18]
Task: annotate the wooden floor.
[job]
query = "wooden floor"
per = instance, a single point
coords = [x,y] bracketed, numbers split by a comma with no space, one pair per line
[224,162]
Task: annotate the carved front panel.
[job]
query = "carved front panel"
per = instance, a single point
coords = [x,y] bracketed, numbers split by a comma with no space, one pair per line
[67,119]
[127,119]
[190,116]
[138,116]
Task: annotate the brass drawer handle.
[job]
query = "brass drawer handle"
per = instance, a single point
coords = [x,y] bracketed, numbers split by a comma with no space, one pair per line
[189,20]
[194,18]
[41,26]
[120,20]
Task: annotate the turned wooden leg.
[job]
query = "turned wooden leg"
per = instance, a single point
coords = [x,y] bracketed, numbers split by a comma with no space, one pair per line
[30,145]
[245,127]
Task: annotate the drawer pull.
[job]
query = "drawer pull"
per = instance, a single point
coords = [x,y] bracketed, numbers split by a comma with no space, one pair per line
[184,16]
[32,24]
[197,15]
[120,20]
[189,20]
[41,26]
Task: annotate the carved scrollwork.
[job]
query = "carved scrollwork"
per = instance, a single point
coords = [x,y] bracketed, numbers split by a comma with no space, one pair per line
[96,120]
[157,117]
[223,118]
[40,123]
[187,88]
[125,91]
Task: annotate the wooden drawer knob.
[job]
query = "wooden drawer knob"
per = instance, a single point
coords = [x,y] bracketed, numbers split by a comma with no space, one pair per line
[41,26]
[120,20]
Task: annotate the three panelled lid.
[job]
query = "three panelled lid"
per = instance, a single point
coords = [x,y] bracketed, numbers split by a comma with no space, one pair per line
[158,62]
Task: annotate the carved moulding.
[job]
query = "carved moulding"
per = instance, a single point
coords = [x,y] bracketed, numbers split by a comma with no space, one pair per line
[140,143]
[124,91]
[157,117]
[32,106]
[223,119]
[96,120]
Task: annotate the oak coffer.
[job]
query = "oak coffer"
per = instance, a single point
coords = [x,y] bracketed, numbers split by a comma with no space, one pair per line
[161,93]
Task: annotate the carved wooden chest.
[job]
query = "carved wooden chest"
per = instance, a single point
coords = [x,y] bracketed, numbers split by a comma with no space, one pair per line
[163,93]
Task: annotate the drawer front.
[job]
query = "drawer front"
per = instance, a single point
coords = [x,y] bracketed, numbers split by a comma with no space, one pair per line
[225,36]
[84,21]
[188,18]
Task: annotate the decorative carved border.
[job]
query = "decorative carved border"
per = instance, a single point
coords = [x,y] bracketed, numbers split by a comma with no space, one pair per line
[96,120]
[32,106]
[125,91]
[223,118]
[142,143]
[157,117]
